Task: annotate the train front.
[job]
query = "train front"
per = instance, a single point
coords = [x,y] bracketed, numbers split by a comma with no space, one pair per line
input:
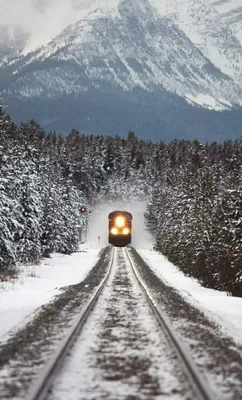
[120,228]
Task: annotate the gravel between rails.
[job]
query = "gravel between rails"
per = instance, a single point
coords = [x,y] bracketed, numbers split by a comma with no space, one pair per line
[122,353]
[24,354]
[217,356]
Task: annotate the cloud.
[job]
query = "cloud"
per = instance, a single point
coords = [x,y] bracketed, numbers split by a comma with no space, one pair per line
[41,19]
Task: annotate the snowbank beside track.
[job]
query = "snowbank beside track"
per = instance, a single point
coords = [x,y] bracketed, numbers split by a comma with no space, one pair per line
[36,285]
[218,306]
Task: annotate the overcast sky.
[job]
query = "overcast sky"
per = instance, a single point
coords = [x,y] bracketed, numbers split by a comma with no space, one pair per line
[42,18]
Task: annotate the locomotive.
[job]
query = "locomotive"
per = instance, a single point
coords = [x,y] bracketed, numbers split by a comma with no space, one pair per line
[120,228]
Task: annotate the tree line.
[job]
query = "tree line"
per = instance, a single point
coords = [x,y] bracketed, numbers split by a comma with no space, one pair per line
[196,212]
[39,207]
[194,190]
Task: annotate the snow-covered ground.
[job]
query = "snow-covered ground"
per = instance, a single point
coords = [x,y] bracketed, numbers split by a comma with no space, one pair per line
[123,352]
[225,310]
[38,284]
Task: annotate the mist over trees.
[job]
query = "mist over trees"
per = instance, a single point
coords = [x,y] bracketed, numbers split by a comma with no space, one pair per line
[195,192]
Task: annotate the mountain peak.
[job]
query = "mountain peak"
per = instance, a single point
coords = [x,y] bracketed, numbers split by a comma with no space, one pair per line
[119,50]
[129,45]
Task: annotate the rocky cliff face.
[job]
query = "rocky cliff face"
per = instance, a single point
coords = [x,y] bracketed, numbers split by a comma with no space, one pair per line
[215,27]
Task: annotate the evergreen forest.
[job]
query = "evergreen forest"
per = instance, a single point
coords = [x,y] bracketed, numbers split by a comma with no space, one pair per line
[193,193]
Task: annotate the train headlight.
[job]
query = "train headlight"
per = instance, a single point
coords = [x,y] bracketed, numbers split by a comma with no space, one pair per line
[114,231]
[125,231]
[120,222]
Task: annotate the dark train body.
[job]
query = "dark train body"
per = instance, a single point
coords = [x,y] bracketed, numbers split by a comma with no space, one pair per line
[120,228]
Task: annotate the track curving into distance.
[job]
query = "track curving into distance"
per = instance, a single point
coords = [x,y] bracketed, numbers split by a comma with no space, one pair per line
[125,352]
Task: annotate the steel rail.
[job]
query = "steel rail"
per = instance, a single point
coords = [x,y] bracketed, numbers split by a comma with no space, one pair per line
[40,388]
[200,385]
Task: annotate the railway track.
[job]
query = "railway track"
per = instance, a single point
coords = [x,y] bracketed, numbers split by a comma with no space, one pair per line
[122,348]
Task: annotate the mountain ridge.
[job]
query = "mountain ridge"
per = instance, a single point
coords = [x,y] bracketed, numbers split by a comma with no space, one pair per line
[118,51]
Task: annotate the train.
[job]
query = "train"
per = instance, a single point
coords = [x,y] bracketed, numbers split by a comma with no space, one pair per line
[120,228]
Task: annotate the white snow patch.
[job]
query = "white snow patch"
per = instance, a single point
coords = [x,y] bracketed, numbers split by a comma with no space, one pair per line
[227,6]
[225,310]
[38,284]
[207,101]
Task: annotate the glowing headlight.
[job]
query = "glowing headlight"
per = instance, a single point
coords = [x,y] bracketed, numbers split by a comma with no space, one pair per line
[119,222]
[125,231]
[114,231]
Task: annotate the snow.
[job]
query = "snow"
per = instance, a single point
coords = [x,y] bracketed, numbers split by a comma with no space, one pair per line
[213,26]
[227,6]
[38,284]
[122,350]
[224,310]
[207,101]
[95,42]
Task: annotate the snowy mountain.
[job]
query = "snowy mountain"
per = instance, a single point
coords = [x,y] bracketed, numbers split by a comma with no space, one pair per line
[124,65]
[215,27]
